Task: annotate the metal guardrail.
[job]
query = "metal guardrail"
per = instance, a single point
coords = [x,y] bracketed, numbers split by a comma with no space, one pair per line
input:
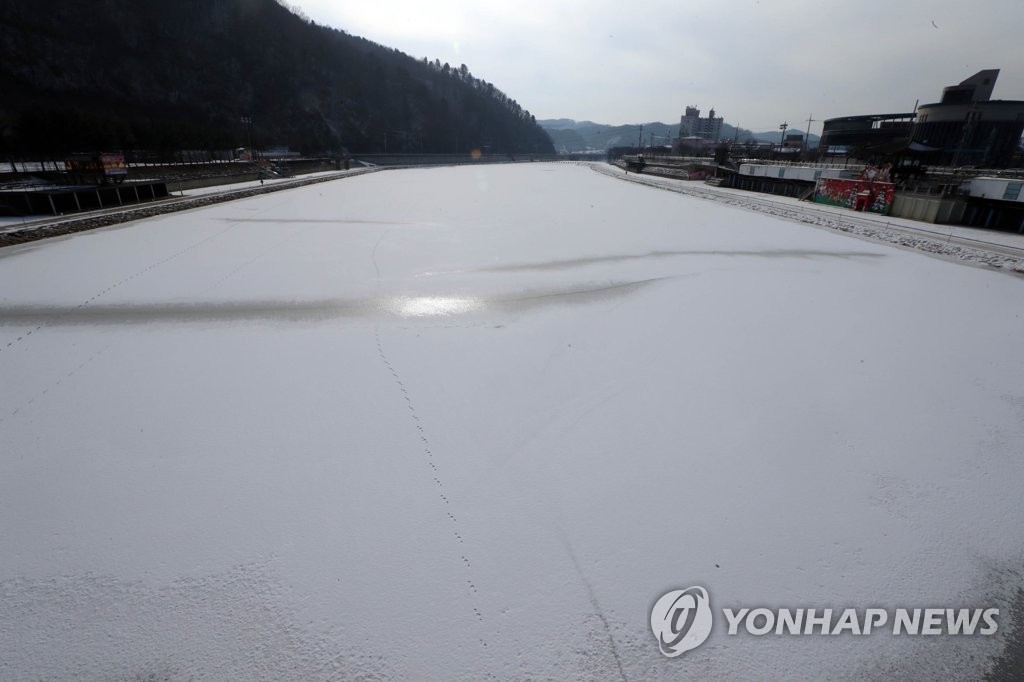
[967,173]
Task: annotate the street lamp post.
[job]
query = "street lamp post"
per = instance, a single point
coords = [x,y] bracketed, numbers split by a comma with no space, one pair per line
[782,142]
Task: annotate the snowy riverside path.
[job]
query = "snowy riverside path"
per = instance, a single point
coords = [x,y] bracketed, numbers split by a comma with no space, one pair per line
[470,423]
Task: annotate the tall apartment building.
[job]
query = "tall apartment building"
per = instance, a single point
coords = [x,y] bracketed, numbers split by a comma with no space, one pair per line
[692,125]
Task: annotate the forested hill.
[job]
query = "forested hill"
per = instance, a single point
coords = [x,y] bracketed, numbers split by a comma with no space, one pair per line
[182,74]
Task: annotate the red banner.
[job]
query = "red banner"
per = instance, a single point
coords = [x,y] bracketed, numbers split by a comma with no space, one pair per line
[860,195]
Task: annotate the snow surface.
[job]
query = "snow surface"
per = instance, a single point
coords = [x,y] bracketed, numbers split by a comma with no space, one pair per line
[978,246]
[460,423]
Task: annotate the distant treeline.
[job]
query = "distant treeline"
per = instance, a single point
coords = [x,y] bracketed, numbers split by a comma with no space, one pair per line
[216,74]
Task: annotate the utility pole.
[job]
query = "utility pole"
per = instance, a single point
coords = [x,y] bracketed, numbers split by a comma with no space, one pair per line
[640,140]
[807,133]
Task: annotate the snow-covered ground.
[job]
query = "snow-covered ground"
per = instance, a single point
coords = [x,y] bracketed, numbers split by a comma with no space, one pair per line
[473,422]
[991,248]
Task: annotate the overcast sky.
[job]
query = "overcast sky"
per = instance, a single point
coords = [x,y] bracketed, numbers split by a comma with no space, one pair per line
[758,63]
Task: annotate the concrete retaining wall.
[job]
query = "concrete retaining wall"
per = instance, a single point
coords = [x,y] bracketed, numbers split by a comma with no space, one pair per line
[928,209]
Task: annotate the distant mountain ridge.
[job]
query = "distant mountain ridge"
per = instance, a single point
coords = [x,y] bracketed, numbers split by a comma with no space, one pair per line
[216,74]
[569,135]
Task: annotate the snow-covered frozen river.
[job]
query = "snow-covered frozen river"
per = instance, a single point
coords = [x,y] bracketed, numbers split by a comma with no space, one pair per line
[472,422]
